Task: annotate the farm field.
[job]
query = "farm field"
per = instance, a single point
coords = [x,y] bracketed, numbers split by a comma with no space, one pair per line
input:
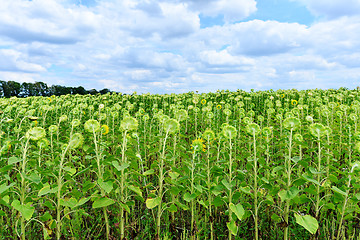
[226,165]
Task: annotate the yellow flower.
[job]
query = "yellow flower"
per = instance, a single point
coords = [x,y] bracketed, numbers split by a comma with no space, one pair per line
[49,99]
[198,145]
[282,95]
[104,129]
[36,123]
[294,102]
[218,106]
[203,101]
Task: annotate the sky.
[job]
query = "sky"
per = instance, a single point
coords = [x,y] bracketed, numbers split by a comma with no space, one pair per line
[177,46]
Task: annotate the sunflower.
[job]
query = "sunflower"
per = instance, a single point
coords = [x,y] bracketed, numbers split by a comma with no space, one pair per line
[218,106]
[198,145]
[294,102]
[282,95]
[203,101]
[104,129]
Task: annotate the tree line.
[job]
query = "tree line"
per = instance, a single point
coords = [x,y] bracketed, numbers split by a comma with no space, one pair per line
[12,88]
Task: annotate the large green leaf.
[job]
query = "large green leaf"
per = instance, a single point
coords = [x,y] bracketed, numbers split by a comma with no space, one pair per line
[4,187]
[335,189]
[102,202]
[308,222]
[25,210]
[137,190]
[13,160]
[232,227]
[118,167]
[288,194]
[152,202]
[238,210]
[106,186]
[70,202]
[45,190]
[189,197]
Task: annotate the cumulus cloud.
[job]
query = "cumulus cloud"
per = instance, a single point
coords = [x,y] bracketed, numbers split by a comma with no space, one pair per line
[44,21]
[232,10]
[334,8]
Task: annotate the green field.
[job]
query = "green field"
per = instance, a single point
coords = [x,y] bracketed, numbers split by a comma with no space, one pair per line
[226,165]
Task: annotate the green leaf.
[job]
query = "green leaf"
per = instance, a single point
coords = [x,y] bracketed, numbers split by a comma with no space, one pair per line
[308,222]
[82,201]
[106,186]
[246,190]
[25,210]
[71,202]
[296,159]
[137,190]
[226,184]
[288,195]
[232,227]
[335,189]
[35,178]
[182,206]
[152,202]
[45,190]
[189,197]
[3,187]
[309,179]
[72,171]
[172,208]
[238,210]
[314,171]
[149,172]
[124,206]
[102,202]
[118,167]
[13,160]
[173,175]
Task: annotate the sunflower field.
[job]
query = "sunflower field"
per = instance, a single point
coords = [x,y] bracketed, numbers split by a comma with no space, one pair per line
[279,164]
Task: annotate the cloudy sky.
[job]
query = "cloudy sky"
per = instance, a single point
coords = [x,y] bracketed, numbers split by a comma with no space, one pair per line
[163,46]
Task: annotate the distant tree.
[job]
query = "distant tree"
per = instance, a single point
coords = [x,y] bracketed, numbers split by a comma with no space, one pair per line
[104,91]
[41,89]
[27,90]
[79,90]
[93,91]
[10,88]
[58,90]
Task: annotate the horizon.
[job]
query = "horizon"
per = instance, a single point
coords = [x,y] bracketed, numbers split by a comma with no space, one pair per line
[173,46]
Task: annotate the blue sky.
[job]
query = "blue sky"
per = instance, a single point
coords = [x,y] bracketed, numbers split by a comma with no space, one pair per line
[165,46]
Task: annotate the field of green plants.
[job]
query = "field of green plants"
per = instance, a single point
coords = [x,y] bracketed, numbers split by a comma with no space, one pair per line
[226,165]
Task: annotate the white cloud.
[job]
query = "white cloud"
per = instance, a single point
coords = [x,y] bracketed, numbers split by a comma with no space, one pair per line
[223,58]
[45,21]
[232,10]
[333,8]
[11,60]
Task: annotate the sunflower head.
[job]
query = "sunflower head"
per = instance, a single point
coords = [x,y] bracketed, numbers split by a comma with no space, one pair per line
[104,129]
[92,125]
[253,129]
[218,107]
[294,102]
[198,145]
[208,135]
[76,141]
[229,132]
[129,124]
[317,130]
[35,133]
[203,101]
[171,126]
[291,123]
